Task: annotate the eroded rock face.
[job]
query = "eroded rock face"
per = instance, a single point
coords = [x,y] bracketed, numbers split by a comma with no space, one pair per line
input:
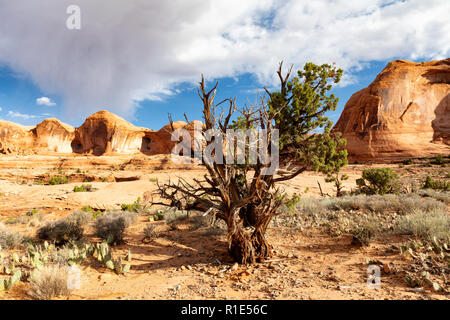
[101,133]
[104,132]
[15,138]
[54,136]
[405,112]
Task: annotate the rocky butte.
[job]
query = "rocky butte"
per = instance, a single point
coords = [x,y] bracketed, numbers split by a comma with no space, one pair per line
[102,133]
[405,112]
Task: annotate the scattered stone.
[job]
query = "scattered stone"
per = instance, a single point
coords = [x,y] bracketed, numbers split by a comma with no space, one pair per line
[234,267]
[436,287]
[416,290]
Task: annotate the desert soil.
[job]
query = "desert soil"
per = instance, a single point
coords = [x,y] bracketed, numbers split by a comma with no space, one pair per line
[184,263]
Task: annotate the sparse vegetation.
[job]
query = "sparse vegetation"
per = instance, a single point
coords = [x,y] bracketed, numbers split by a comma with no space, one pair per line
[111,227]
[133,207]
[439,160]
[83,188]
[49,282]
[436,184]
[58,180]
[10,239]
[426,225]
[65,230]
[407,162]
[378,181]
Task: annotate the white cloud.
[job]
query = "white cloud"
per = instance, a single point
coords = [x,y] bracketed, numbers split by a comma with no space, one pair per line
[13,114]
[138,49]
[44,101]
[1,109]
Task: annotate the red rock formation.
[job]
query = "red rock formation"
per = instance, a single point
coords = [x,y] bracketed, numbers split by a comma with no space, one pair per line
[54,136]
[104,132]
[15,138]
[101,133]
[405,112]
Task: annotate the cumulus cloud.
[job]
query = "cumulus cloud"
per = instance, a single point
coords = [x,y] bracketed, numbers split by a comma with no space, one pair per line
[132,50]
[44,101]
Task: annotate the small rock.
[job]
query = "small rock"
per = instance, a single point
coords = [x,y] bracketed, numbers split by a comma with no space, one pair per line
[201,252]
[179,254]
[436,286]
[234,267]
[416,290]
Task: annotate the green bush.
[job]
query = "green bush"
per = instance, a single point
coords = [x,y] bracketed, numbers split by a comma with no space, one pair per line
[439,160]
[407,162]
[65,230]
[134,207]
[58,180]
[111,227]
[436,184]
[83,188]
[378,181]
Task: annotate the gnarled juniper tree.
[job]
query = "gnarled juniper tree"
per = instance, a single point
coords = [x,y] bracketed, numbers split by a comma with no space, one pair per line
[244,194]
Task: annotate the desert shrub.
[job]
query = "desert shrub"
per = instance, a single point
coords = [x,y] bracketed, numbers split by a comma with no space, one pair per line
[34,220]
[58,180]
[438,195]
[150,232]
[10,239]
[378,181]
[172,215]
[133,207]
[436,184]
[365,232]
[67,229]
[312,206]
[111,227]
[49,282]
[439,160]
[83,188]
[407,162]
[426,225]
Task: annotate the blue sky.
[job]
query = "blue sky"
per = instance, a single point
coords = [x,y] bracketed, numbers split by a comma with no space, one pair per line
[142,59]
[18,99]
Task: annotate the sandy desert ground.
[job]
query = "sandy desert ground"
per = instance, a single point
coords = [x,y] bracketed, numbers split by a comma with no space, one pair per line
[191,262]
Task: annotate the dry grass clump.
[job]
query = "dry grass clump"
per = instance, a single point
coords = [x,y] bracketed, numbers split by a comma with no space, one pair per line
[10,239]
[49,282]
[426,225]
[111,227]
[438,195]
[367,217]
[67,229]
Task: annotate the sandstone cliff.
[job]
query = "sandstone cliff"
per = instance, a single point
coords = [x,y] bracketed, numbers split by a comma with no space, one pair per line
[101,133]
[405,112]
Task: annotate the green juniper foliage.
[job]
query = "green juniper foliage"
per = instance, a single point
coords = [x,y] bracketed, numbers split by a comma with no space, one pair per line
[378,181]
